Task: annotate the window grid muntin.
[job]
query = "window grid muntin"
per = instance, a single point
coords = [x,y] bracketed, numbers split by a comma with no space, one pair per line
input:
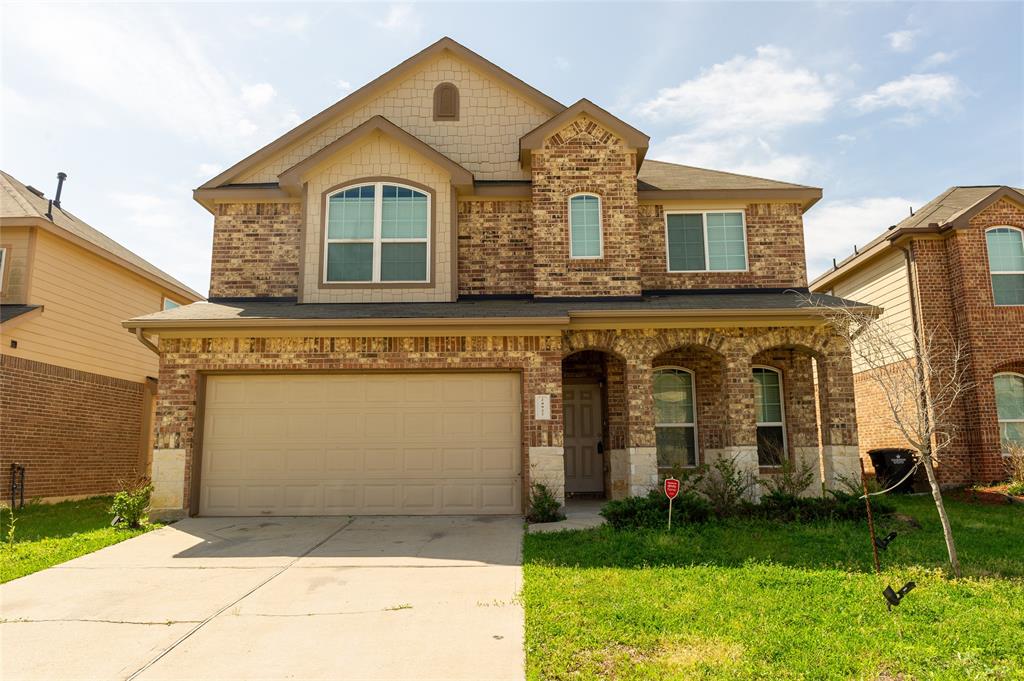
[692,425]
[599,225]
[759,401]
[1001,419]
[994,254]
[378,239]
[704,222]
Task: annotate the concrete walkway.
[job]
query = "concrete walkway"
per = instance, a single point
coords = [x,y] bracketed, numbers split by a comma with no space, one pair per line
[580,514]
[277,598]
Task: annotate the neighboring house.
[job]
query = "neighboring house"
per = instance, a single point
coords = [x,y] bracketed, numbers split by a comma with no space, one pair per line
[955,269]
[448,286]
[76,390]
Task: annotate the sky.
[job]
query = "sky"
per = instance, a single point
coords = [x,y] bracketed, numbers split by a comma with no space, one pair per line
[882,105]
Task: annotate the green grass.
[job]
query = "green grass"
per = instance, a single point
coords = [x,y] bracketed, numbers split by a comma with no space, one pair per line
[48,534]
[761,600]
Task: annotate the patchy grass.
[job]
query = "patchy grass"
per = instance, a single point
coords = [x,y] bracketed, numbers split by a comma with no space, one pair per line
[48,534]
[756,600]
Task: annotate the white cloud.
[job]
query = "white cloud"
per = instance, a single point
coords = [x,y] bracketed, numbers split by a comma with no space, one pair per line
[209,170]
[400,17]
[921,91]
[562,63]
[737,110]
[902,41]
[937,59]
[140,66]
[833,228]
[258,95]
[766,92]
[293,23]
[344,85]
[845,138]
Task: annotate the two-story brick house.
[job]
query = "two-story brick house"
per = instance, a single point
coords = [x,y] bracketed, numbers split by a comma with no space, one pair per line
[952,270]
[448,285]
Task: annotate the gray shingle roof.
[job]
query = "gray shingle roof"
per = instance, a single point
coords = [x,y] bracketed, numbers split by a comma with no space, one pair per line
[668,176]
[9,312]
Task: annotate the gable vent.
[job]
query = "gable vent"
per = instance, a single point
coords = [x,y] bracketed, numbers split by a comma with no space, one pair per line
[446,102]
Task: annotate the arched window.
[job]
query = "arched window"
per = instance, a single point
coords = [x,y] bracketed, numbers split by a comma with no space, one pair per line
[585,238]
[675,418]
[1006,264]
[377,232]
[771,416]
[446,102]
[1010,408]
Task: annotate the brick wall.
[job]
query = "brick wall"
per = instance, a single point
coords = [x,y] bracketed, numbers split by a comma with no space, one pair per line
[495,247]
[775,251]
[584,157]
[77,433]
[256,250]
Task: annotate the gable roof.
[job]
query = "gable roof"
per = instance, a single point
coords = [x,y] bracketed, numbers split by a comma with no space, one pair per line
[535,138]
[19,205]
[291,179]
[375,86]
[952,209]
[662,180]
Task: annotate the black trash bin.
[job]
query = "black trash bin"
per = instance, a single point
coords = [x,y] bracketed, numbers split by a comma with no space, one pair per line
[891,466]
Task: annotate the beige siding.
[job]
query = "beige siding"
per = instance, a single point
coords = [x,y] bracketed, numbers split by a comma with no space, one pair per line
[85,299]
[883,284]
[15,240]
[485,139]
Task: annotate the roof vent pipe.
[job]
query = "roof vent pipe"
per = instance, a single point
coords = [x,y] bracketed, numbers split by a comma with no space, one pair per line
[60,185]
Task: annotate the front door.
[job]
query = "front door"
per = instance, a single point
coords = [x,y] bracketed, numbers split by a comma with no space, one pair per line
[584,462]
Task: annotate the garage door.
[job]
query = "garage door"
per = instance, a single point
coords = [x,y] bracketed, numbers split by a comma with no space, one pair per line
[361,444]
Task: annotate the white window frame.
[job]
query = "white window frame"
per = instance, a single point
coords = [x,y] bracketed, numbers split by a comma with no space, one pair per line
[1000,421]
[992,274]
[174,303]
[782,412]
[600,226]
[377,239]
[3,265]
[707,258]
[693,397]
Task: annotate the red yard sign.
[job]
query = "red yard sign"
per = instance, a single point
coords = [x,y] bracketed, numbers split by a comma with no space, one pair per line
[671,488]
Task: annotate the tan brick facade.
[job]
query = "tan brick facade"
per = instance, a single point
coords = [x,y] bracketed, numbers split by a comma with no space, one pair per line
[495,248]
[77,433]
[256,250]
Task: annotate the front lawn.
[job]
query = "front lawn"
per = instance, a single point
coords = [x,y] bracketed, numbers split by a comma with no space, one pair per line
[48,534]
[764,600]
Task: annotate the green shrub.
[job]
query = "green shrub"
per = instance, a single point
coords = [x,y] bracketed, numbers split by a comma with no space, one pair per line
[544,507]
[651,511]
[837,506]
[726,486]
[131,504]
[1016,489]
[791,479]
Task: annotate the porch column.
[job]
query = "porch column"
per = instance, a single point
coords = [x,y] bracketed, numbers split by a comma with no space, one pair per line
[545,437]
[741,435]
[637,465]
[840,454]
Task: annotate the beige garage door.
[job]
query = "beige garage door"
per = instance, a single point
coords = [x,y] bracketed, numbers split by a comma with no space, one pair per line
[361,444]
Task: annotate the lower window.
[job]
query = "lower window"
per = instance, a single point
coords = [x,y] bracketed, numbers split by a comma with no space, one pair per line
[674,418]
[771,426]
[1010,409]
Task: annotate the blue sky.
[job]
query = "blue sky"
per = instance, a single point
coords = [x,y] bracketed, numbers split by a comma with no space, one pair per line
[882,105]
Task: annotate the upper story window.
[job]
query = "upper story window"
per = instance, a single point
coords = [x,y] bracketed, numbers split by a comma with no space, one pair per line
[585,238]
[1010,408]
[446,102]
[675,419]
[706,241]
[771,420]
[170,304]
[1006,263]
[377,232]
[3,266]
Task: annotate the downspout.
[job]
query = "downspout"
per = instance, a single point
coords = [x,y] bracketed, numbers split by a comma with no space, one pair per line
[145,341]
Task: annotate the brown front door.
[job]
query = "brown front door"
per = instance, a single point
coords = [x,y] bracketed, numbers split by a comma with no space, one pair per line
[584,463]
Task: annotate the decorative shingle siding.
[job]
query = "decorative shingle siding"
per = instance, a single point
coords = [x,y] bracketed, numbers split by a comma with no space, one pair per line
[775,251]
[77,433]
[495,248]
[584,157]
[256,250]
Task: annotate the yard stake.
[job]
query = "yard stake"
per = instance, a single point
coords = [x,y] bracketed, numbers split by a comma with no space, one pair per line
[871,521]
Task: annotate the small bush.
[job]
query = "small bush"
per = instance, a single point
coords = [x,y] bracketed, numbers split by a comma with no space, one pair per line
[837,506]
[1013,461]
[792,479]
[651,511]
[544,507]
[726,486]
[131,504]
[1016,489]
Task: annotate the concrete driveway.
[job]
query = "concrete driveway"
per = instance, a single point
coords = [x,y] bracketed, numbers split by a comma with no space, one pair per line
[277,598]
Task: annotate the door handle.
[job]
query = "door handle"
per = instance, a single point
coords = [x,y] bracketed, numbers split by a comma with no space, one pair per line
[600,446]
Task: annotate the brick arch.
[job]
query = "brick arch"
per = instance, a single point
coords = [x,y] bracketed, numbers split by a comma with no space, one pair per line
[674,339]
[1009,366]
[818,343]
[583,126]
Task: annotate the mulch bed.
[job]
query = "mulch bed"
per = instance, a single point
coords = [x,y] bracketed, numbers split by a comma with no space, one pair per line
[989,496]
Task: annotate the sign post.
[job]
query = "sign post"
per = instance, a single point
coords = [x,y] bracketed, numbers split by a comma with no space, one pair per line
[671,491]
